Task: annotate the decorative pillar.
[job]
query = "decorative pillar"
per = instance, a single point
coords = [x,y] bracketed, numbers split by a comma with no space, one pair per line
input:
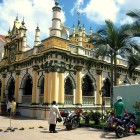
[61,87]
[117,79]
[99,86]
[78,95]
[3,87]
[54,96]
[46,92]
[17,85]
[35,73]
[49,87]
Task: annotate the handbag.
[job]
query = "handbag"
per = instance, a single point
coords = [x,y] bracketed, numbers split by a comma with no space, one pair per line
[59,119]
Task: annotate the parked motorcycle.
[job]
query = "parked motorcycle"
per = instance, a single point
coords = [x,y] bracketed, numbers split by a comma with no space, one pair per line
[127,126]
[71,119]
[122,126]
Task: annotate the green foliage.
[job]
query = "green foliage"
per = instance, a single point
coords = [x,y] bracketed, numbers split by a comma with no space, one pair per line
[95,116]
[137,106]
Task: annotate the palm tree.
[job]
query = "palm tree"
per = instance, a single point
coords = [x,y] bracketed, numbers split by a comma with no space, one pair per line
[134,56]
[109,41]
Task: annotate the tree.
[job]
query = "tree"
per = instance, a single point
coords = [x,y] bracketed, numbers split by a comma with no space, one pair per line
[109,41]
[134,55]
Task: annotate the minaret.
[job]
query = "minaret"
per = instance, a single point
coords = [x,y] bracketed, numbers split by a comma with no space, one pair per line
[56,20]
[22,29]
[37,37]
[80,36]
[24,41]
[90,31]
[83,30]
[73,34]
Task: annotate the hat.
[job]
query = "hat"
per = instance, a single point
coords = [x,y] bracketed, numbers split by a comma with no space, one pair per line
[119,98]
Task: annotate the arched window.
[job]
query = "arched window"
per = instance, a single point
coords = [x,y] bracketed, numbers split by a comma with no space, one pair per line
[42,86]
[11,88]
[68,87]
[107,86]
[28,86]
[87,86]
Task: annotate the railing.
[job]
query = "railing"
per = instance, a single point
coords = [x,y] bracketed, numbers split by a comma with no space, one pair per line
[27,99]
[41,99]
[88,100]
[107,101]
[69,99]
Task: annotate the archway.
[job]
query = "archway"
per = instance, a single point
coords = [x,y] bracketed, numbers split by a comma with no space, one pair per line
[68,86]
[27,88]
[107,87]
[41,86]
[87,86]
[11,88]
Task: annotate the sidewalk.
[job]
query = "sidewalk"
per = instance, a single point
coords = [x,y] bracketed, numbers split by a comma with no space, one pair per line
[33,132]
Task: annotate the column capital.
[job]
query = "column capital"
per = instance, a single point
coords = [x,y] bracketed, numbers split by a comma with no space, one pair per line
[17,72]
[62,69]
[99,72]
[78,68]
[35,67]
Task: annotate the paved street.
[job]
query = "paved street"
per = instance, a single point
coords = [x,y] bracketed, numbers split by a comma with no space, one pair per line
[33,132]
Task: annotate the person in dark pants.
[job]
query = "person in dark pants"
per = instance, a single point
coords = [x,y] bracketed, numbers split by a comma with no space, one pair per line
[119,107]
[54,112]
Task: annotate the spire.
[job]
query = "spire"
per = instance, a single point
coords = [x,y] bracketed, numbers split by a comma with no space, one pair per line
[22,28]
[24,41]
[23,22]
[90,31]
[17,17]
[78,13]
[37,36]
[56,2]
[80,36]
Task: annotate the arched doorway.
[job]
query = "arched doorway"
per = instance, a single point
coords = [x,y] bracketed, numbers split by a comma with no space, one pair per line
[87,86]
[11,88]
[27,89]
[68,87]
[107,87]
[41,86]
[40,90]
[69,91]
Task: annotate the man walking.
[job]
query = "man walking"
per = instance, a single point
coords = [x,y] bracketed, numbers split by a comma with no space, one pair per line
[54,112]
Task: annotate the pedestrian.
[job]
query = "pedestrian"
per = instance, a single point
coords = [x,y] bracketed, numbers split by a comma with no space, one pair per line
[14,104]
[54,113]
[119,108]
[9,106]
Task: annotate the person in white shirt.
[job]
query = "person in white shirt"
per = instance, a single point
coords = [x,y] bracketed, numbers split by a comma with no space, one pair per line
[54,112]
[9,106]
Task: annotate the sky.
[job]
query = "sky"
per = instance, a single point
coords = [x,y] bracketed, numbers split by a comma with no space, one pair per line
[93,13]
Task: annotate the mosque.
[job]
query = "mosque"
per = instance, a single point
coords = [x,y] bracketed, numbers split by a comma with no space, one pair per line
[62,67]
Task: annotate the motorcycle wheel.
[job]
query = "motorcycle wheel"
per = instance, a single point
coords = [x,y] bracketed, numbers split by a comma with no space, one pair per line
[119,132]
[69,127]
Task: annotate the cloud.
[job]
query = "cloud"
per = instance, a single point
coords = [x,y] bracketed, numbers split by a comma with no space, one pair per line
[76,6]
[100,10]
[34,12]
